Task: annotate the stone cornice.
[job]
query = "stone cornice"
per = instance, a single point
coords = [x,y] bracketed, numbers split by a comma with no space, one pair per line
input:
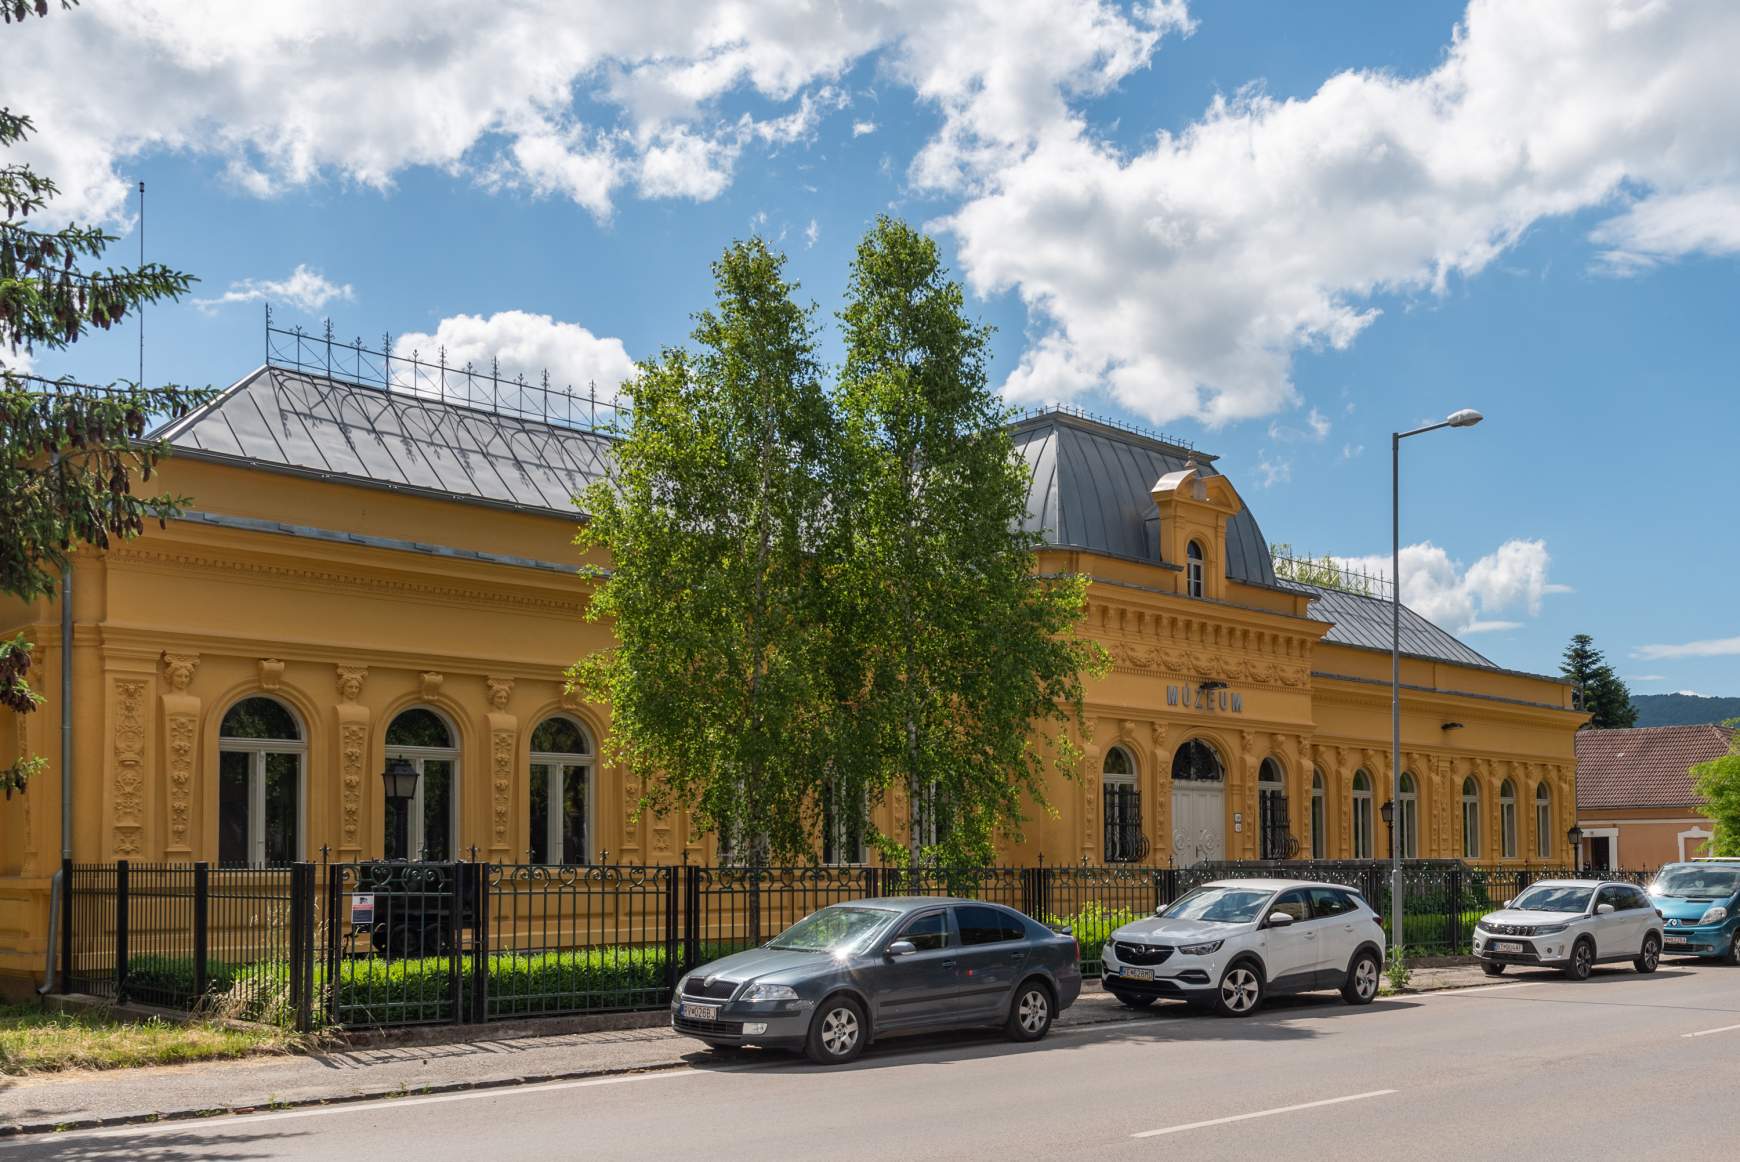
[145,644]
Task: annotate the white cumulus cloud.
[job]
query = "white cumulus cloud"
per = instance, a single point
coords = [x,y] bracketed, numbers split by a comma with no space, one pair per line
[1720,647]
[305,289]
[521,343]
[1510,579]
[1181,277]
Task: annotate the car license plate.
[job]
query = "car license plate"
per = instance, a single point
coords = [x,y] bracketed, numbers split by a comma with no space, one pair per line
[1506,946]
[1137,973]
[696,1012]
[1679,941]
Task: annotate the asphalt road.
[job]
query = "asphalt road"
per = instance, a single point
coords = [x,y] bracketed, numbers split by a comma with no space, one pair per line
[1533,1067]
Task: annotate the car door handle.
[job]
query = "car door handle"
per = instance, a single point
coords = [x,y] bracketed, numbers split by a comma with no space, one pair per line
[1019,956]
[948,964]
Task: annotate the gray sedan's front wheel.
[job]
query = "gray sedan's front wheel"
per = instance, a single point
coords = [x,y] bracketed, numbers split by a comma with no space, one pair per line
[838,1033]
[1029,1013]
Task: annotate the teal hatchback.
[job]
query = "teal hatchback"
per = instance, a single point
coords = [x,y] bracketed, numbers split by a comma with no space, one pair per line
[1700,902]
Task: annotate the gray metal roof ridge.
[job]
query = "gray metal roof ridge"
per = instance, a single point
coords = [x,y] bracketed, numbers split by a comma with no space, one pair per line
[1443,690]
[334,536]
[1103,428]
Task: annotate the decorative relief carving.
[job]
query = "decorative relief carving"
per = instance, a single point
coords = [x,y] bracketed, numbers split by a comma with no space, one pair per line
[352,747]
[129,765]
[500,689]
[271,673]
[350,682]
[1200,664]
[502,772]
[178,670]
[430,683]
[181,732]
[631,812]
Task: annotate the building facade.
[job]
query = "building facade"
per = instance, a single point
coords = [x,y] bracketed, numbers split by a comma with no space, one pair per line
[367,575]
[1636,804]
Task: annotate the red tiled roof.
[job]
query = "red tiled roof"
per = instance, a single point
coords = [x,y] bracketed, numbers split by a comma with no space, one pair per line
[1645,766]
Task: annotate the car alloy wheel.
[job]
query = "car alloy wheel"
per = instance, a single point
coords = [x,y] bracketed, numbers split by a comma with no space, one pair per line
[1030,1016]
[1241,990]
[1582,961]
[1651,955]
[1733,956]
[1362,981]
[1492,968]
[837,1035]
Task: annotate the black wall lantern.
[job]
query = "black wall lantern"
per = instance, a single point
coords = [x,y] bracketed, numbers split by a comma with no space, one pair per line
[400,780]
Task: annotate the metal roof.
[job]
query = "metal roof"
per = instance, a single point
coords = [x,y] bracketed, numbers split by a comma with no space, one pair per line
[398,439]
[1358,620]
[1092,488]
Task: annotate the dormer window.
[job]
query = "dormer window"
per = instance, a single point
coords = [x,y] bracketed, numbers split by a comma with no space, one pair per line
[1193,570]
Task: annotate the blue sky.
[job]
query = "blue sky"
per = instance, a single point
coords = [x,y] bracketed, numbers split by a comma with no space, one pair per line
[1277,230]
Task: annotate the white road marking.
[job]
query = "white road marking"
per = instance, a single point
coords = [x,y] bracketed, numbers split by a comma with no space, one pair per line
[1707,1032]
[1309,1105]
[183,1125]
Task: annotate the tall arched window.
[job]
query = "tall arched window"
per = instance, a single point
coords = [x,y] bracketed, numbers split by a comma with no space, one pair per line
[561,778]
[1193,569]
[1470,819]
[1319,818]
[1124,841]
[1364,843]
[1196,762]
[1543,821]
[260,758]
[1274,829]
[1507,819]
[425,739]
[1408,818]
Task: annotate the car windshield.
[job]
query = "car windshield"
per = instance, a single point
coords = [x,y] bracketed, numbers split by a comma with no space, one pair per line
[1550,899]
[834,929]
[1219,905]
[1697,882]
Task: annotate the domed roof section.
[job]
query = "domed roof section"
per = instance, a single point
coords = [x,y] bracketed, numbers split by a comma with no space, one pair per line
[1092,488]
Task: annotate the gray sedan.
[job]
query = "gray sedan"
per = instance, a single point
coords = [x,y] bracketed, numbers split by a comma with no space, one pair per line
[856,971]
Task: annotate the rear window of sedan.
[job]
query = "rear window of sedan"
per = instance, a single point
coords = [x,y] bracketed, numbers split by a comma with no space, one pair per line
[982,925]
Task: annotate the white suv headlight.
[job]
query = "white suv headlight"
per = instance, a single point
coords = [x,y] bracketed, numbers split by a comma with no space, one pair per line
[1715,915]
[1202,949]
[770,992]
[1550,929]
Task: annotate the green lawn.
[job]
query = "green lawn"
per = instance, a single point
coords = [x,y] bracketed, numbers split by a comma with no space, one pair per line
[37,1040]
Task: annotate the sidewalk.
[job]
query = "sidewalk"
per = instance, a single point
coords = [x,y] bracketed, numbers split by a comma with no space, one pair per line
[83,1099]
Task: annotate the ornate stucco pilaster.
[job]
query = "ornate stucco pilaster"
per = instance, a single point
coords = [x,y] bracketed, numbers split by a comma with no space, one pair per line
[503,740]
[352,765]
[128,710]
[1092,756]
[181,749]
[1160,782]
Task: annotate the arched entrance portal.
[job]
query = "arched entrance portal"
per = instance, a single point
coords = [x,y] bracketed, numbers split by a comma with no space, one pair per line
[1198,805]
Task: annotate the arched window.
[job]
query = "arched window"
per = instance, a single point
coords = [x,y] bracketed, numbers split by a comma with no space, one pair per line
[1196,762]
[1408,818]
[1364,843]
[561,778]
[260,796]
[1543,821]
[1124,841]
[1507,819]
[1319,817]
[426,740]
[1470,819]
[1193,569]
[1274,830]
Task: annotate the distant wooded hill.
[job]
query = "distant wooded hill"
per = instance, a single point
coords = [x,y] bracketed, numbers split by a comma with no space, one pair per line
[1682,709]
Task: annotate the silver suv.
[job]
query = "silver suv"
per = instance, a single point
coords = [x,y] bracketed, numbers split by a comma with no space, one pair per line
[1230,943]
[1571,925]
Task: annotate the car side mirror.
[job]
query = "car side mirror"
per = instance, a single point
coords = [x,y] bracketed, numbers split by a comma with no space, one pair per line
[902,948]
[1603,909]
[1509,902]
[1279,919]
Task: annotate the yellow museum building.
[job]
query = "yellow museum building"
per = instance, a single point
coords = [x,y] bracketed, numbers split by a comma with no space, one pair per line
[366,574]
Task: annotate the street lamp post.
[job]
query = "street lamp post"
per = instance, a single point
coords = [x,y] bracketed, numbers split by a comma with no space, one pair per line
[400,779]
[1465,418]
[1574,837]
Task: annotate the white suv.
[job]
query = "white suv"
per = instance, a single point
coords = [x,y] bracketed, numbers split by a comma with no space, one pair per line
[1228,944]
[1571,925]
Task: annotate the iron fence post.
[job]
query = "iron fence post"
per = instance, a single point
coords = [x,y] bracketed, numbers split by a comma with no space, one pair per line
[691,917]
[456,877]
[673,968]
[480,953]
[201,929]
[1453,912]
[333,933]
[66,924]
[120,931]
[301,941]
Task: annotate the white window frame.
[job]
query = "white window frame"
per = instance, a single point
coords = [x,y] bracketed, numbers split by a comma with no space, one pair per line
[418,756]
[1471,819]
[1696,833]
[560,763]
[1319,817]
[1408,817]
[1364,826]
[1194,558]
[1130,778]
[1507,836]
[1543,821]
[257,749]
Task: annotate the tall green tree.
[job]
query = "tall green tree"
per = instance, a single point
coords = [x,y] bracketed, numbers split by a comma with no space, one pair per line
[718,687]
[971,671]
[69,452]
[1605,696]
[1718,781]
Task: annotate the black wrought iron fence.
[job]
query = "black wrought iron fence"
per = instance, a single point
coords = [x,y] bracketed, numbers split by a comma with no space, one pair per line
[389,943]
